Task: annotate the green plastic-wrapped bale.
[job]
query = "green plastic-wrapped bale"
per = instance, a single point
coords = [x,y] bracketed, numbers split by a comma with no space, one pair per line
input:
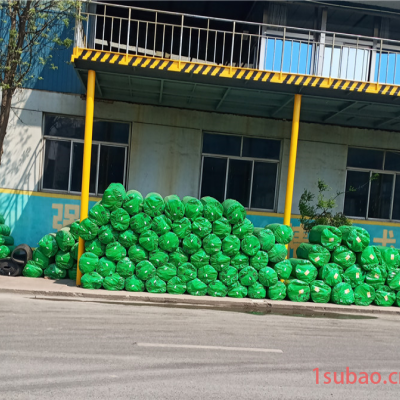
[354,275]
[93,280]
[168,242]
[40,259]
[137,253]
[48,245]
[174,208]
[384,271]
[158,258]
[156,285]
[105,267]
[393,280]
[134,284]
[229,276]
[75,251]
[94,246]
[222,228]
[5,230]
[133,202]
[256,291]
[191,244]
[176,286]
[217,289]
[74,229]
[212,208]
[187,272]
[196,287]
[64,239]
[240,261]
[267,276]
[277,253]
[250,245]
[231,245]
[145,270]
[32,270]
[367,259]
[88,229]
[140,223]
[329,237]
[107,234]
[120,220]
[320,292]
[384,296]
[114,282]
[193,207]
[343,256]
[99,214]
[259,260]
[71,273]
[375,278]
[167,272]
[88,262]
[330,274]
[161,224]
[315,253]
[219,261]
[277,291]
[201,258]
[387,256]
[283,233]
[4,251]
[212,244]
[354,237]
[237,291]
[6,240]
[149,240]
[53,272]
[178,257]
[207,274]
[125,268]
[153,204]
[305,273]
[342,293]
[182,227]
[364,295]
[64,260]
[128,238]
[265,237]
[233,211]
[283,269]
[298,291]
[113,196]
[241,229]
[248,276]
[115,251]
[201,227]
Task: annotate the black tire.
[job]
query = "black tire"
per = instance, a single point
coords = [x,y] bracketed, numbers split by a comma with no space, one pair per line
[10,268]
[22,254]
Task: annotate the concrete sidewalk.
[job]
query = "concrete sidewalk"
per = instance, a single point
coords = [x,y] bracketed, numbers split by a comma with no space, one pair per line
[67,288]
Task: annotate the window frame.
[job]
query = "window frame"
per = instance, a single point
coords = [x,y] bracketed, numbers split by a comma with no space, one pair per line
[240,157]
[72,141]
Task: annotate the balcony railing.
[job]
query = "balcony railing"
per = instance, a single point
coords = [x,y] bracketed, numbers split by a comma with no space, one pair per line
[185,37]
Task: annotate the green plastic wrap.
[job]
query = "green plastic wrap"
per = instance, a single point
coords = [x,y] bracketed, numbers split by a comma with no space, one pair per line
[384,271]
[134,284]
[72,273]
[277,253]
[161,224]
[375,278]
[140,223]
[156,285]
[88,262]
[120,220]
[74,229]
[248,276]
[191,244]
[256,291]
[201,258]
[259,260]
[115,251]
[187,272]
[176,286]
[231,245]
[6,240]
[368,258]
[178,257]
[182,227]
[168,242]
[219,261]
[4,251]
[250,245]
[64,260]
[384,296]
[237,291]
[145,270]
[222,228]
[330,274]
[128,238]
[137,253]
[114,282]
[298,291]
[393,280]
[75,250]
[113,196]
[207,274]
[305,273]
[40,259]
[174,208]
[48,245]
[364,295]
[283,233]
[99,215]
[267,276]
[93,280]
[354,275]
[95,246]
[212,244]
[315,253]
[105,267]
[133,203]
[107,234]
[64,239]
[233,211]
[212,208]
[149,240]
[196,287]
[277,291]
[241,229]
[343,256]
[158,258]
[5,230]
[329,237]
[217,289]
[229,276]
[125,268]
[355,238]
[53,272]
[320,292]
[342,293]
[201,227]
[88,229]
[2,219]
[283,269]
[265,237]
[167,272]
[193,207]
[240,261]
[387,256]
[153,204]
[32,270]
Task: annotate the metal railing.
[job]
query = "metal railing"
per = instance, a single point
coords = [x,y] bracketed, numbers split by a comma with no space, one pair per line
[185,37]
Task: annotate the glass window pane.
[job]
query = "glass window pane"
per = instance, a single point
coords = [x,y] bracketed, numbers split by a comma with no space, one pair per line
[261,148]
[356,198]
[396,202]
[227,145]
[380,197]
[106,131]
[213,180]
[66,127]
[77,163]
[112,166]
[392,161]
[264,184]
[56,165]
[239,178]
[363,158]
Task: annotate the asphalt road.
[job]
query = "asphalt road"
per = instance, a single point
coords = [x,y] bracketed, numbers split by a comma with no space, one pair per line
[73,349]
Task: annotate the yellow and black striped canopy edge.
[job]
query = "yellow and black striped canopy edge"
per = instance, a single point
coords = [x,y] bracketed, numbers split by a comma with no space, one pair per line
[233,73]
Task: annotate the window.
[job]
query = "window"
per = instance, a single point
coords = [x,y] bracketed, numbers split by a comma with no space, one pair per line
[63,158]
[240,168]
[373,184]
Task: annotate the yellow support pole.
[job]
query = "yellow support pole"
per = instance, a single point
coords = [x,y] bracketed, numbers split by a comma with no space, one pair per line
[292,159]
[87,155]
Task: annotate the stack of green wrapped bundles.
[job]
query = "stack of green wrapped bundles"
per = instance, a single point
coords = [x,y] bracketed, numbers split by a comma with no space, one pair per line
[6,241]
